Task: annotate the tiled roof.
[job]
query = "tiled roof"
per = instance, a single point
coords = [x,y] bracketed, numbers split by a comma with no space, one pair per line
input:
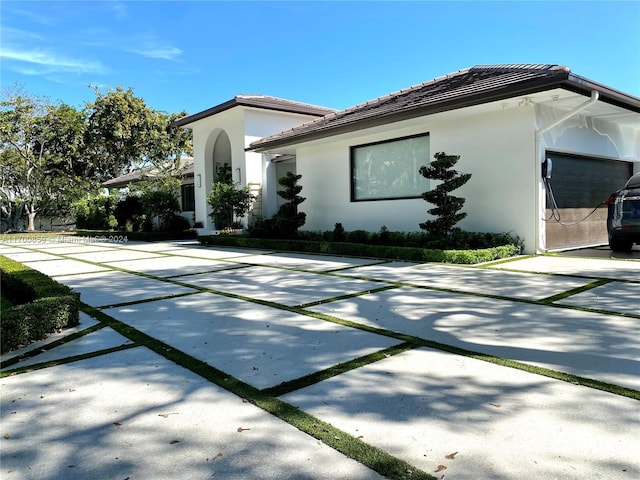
[471,86]
[136,175]
[257,101]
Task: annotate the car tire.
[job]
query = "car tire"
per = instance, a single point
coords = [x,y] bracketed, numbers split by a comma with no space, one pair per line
[620,244]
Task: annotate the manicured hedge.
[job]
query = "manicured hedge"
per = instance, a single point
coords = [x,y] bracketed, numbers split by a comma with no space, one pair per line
[41,305]
[376,251]
[107,236]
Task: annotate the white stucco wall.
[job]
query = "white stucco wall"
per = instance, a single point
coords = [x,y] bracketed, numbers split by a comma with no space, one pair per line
[205,134]
[242,125]
[496,147]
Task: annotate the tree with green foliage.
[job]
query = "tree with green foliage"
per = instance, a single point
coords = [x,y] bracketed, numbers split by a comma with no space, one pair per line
[124,134]
[447,207]
[289,219]
[96,212]
[42,156]
[129,213]
[228,200]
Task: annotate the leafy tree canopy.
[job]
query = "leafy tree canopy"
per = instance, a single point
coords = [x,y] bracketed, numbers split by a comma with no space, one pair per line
[124,134]
[42,155]
[52,153]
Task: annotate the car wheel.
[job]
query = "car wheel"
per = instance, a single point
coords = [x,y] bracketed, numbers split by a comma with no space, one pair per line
[620,244]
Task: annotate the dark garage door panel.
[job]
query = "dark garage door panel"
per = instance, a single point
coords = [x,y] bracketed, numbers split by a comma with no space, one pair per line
[579,184]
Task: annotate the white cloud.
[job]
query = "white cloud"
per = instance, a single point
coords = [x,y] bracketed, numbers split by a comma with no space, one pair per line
[49,62]
[10,33]
[163,52]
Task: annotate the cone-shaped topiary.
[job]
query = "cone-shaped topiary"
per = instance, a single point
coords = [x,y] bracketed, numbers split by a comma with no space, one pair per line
[289,219]
[447,207]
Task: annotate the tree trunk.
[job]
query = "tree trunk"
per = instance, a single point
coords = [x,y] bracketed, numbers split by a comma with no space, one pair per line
[12,214]
[31,212]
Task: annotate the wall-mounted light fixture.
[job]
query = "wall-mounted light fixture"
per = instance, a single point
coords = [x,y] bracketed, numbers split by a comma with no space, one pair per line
[239,175]
[198,180]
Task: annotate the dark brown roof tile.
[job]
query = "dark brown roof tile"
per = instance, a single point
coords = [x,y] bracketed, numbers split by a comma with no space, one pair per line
[471,86]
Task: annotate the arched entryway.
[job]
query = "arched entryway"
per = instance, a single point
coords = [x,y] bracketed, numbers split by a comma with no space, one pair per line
[221,152]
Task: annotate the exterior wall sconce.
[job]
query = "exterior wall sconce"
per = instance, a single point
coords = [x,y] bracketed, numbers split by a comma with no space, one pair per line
[239,175]
[199,180]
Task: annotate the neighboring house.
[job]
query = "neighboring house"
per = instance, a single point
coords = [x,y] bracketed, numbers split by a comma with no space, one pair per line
[187,190]
[359,166]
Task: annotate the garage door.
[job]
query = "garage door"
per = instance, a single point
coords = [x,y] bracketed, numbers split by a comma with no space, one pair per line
[579,184]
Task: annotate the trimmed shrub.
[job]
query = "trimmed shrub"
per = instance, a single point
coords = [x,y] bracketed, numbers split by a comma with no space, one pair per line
[339,234]
[362,250]
[129,213]
[123,237]
[447,206]
[95,212]
[41,305]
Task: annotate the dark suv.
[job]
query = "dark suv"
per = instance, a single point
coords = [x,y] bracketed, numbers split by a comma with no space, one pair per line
[623,219]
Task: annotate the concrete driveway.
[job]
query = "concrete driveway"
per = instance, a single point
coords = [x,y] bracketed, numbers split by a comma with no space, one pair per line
[528,368]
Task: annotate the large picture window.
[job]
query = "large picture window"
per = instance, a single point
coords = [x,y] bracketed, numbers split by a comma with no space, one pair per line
[389,170]
[188,197]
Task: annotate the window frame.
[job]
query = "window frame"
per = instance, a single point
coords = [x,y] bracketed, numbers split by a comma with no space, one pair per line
[352,165]
[191,197]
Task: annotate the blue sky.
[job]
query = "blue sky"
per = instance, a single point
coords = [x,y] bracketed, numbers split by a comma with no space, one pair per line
[192,55]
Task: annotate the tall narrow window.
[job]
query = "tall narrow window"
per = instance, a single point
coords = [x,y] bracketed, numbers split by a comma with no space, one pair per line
[188,197]
[389,170]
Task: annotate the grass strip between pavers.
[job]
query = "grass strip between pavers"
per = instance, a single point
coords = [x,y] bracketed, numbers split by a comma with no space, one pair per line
[566,377]
[62,361]
[504,362]
[557,375]
[338,369]
[50,346]
[368,455]
[575,291]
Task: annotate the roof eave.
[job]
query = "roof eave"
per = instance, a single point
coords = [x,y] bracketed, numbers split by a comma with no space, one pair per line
[569,82]
[189,119]
[609,95]
[255,102]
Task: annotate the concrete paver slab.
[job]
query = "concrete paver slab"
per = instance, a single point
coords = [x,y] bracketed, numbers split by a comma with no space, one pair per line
[63,248]
[498,423]
[589,267]
[146,246]
[168,266]
[28,256]
[91,342]
[615,297]
[280,286]
[64,267]
[10,248]
[86,321]
[114,255]
[603,251]
[98,418]
[259,345]
[318,263]
[114,287]
[133,414]
[467,279]
[593,345]
[214,252]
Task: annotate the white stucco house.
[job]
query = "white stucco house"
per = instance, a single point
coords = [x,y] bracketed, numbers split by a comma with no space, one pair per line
[509,124]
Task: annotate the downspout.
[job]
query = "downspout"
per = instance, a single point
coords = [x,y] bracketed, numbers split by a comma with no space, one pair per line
[595,95]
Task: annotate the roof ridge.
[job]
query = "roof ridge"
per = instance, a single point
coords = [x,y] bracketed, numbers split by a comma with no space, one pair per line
[520,67]
[248,96]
